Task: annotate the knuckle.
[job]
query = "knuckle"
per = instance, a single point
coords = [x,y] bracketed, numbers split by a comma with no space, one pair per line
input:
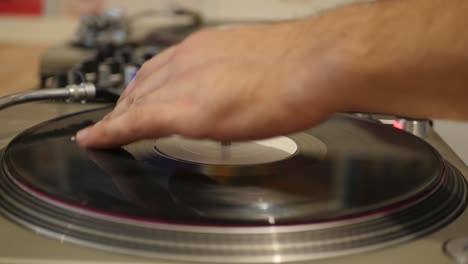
[130,100]
[126,102]
[138,101]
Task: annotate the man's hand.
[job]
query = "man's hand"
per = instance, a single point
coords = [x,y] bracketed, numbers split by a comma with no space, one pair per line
[403,57]
[225,84]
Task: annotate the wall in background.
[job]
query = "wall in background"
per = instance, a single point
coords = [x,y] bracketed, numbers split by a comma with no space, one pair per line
[30,7]
[240,9]
[57,19]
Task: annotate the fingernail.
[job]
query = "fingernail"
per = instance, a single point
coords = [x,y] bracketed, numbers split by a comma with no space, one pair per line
[82,135]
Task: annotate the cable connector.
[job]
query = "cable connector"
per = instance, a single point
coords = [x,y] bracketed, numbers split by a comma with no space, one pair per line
[73,92]
[84,91]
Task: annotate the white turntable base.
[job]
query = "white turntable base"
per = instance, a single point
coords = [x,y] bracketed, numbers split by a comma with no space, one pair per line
[18,245]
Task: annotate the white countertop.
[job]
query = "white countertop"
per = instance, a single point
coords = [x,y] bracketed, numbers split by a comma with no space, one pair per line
[455,133]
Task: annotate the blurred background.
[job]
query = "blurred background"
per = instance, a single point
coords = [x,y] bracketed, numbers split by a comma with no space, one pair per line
[28,27]
[56,18]
[31,29]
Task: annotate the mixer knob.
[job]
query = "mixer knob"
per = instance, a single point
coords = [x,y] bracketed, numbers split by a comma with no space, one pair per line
[115,66]
[105,52]
[125,54]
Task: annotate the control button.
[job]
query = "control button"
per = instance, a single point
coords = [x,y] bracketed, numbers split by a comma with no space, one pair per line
[457,249]
[104,75]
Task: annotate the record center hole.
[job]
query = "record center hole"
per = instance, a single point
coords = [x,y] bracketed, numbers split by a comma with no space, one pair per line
[236,153]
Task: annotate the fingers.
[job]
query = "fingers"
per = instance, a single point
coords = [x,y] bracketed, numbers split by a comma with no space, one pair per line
[149,68]
[150,117]
[134,117]
[134,124]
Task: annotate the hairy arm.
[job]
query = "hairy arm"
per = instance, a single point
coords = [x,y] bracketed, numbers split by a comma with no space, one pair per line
[406,57]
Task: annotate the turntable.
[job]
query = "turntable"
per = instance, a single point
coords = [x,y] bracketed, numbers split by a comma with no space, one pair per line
[351,190]
[355,189]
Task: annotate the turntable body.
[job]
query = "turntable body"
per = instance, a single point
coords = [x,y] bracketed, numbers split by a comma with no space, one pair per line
[19,245]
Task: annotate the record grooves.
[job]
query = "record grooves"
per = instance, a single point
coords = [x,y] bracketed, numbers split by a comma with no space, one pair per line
[330,198]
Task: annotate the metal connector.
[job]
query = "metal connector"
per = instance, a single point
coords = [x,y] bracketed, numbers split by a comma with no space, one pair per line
[84,91]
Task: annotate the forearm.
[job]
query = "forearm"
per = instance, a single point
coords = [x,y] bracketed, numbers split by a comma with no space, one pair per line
[406,57]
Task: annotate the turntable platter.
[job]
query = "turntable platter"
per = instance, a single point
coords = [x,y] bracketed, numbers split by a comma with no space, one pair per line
[345,186]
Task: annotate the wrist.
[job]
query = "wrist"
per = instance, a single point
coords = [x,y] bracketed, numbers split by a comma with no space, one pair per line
[334,61]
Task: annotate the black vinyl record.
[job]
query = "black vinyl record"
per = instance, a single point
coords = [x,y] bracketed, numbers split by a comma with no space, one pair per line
[343,168]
